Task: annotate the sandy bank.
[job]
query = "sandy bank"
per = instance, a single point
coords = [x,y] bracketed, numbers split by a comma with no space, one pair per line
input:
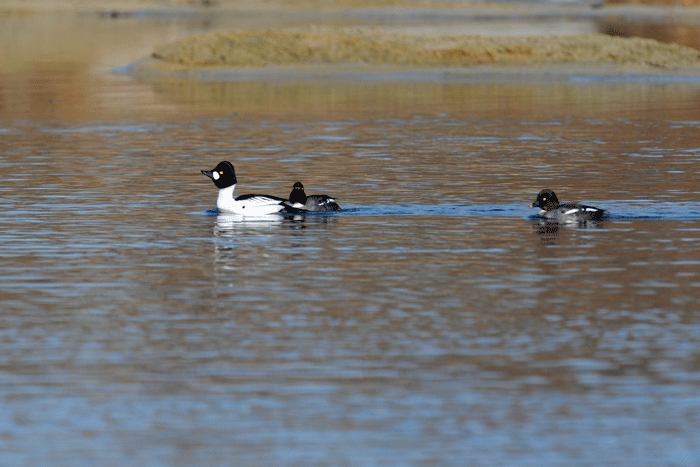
[374,53]
[376,46]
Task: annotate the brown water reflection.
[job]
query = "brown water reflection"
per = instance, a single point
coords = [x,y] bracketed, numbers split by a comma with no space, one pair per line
[520,100]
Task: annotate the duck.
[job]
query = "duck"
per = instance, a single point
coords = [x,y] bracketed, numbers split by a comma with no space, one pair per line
[224,177]
[550,208]
[318,203]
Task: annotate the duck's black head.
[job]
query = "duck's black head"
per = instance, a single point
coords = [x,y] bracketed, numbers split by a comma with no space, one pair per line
[298,195]
[547,200]
[223,175]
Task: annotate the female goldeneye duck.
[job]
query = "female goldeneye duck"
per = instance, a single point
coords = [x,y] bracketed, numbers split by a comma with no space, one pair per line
[224,177]
[321,203]
[548,202]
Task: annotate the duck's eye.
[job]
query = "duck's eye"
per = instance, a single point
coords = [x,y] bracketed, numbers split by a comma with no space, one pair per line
[221,172]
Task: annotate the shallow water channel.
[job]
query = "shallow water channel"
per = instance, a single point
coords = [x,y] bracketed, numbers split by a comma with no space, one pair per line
[432,322]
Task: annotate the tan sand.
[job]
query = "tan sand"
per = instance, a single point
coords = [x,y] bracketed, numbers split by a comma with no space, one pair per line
[325,45]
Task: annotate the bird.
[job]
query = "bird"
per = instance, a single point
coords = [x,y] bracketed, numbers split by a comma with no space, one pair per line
[224,177]
[550,208]
[319,203]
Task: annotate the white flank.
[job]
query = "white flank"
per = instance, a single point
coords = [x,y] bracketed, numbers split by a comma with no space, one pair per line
[256,206]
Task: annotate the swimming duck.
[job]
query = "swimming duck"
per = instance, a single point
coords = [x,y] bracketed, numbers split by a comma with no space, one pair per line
[224,177]
[320,203]
[550,208]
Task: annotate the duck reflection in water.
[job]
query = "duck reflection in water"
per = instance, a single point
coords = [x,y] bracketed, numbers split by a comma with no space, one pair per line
[227,224]
[298,221]
[551,232]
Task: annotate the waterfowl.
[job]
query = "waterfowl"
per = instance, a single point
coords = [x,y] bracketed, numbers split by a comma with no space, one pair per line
[550,208]
[318,203]
[224,177]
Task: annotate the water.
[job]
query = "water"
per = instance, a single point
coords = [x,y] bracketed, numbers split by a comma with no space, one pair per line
[432,322]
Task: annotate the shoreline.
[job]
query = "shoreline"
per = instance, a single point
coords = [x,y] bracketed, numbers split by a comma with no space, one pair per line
[149,69]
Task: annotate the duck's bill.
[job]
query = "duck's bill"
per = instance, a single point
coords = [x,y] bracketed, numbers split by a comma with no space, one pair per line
[209,173]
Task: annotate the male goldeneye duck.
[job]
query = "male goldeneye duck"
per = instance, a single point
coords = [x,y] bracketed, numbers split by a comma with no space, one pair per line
[548,202]
[224,177]
[322,203]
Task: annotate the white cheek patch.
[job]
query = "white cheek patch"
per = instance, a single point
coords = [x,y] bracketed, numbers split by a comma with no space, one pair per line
[215,175]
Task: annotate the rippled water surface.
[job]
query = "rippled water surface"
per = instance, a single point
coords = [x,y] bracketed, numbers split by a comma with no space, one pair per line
[432,322]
